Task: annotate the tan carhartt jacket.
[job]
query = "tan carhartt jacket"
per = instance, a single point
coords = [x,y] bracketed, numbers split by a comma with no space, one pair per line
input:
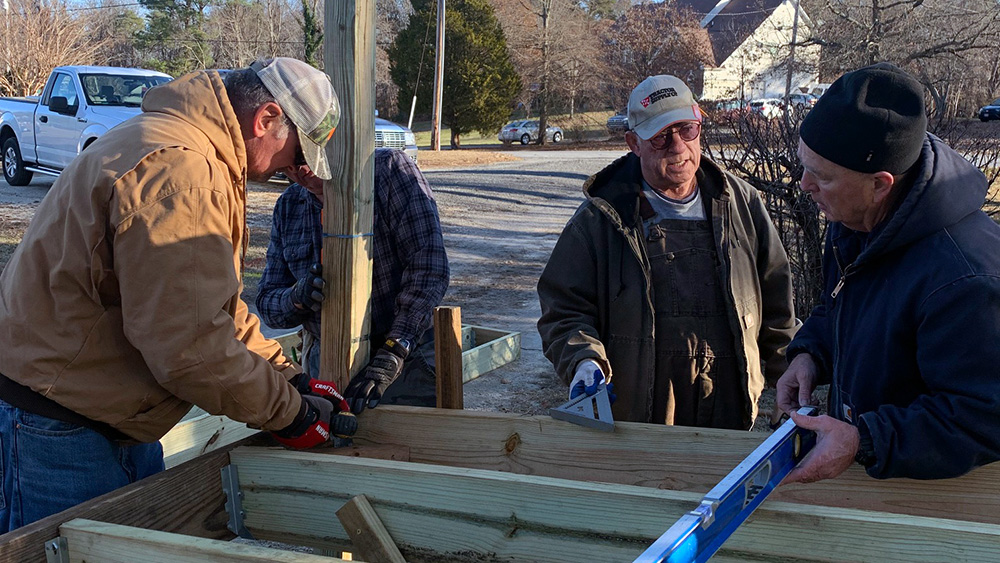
[122,302]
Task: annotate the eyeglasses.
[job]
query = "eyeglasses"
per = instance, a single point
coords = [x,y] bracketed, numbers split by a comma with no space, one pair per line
[688,131]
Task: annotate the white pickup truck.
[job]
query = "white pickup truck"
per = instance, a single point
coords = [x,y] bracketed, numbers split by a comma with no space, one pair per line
[78,104]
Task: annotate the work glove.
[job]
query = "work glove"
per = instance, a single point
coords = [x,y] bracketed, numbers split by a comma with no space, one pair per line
[307,293]
[587,379]
[343,423]
[311,427]
[367,387]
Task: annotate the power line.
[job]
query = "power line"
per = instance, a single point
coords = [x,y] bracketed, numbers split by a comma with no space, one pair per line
[104,7]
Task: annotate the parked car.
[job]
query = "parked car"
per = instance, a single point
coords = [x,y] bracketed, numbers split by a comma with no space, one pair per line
[802,101]
[526,131]
[395,136]
[990,111]
[618,123]
[819,89]
[78,104]
[769,108]
[722,110]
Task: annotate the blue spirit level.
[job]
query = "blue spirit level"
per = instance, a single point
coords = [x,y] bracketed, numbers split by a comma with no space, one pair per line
[701,532]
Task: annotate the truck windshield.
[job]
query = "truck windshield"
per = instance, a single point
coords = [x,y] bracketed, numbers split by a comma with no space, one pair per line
[117,90]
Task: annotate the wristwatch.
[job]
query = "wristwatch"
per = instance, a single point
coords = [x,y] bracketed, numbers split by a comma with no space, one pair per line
[401,347]
[866,448]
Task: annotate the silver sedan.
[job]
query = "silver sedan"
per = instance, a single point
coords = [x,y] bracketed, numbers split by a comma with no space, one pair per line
[526,132]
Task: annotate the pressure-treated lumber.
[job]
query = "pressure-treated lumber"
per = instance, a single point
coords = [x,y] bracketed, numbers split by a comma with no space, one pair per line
[491,349]
[188,499]
[349,48]
[448,357]
[450,511]
[113,543]
[200,433]
[684,459]
[368,535]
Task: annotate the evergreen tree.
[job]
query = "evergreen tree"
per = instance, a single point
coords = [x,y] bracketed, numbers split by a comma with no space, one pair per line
[480,82]
[312,31]
[174,36]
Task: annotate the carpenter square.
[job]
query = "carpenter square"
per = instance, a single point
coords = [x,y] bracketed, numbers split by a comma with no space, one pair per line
[593,411]
[701,532]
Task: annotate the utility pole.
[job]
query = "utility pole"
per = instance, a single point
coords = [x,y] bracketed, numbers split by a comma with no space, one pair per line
[438,80]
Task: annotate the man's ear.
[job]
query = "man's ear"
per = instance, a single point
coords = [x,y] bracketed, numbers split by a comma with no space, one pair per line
[268,117]
[632,140]
[883,183]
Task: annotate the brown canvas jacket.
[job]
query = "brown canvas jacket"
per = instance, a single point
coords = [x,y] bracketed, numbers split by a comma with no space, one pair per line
[122,302]
[597,301]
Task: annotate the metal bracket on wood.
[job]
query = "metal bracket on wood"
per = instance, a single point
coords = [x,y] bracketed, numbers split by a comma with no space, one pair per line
[57,550]
[234,502]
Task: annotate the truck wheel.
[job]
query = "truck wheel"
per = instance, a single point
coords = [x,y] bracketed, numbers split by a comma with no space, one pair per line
[13,166]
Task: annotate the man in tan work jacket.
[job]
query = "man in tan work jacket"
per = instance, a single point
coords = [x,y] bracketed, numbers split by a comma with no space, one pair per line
[121,306]
[670,279]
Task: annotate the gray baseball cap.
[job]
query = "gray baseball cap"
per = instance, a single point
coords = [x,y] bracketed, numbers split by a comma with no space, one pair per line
[658,102]
[306,95]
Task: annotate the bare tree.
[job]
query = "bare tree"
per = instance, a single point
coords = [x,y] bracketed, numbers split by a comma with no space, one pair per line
[37,36]
[113,27]
[242,32]
[651,39]
[554,48]
[952,47]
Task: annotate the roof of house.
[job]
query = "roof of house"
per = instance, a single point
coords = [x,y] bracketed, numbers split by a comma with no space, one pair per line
[732,23]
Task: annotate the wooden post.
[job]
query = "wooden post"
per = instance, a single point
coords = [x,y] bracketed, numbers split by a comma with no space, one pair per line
[448,357]
[369,537]
[438,79]
[349,52]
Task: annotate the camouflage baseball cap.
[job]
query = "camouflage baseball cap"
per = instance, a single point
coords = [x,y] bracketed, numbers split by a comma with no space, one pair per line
[306,95]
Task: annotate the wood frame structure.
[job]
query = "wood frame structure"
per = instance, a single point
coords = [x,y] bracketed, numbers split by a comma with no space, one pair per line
[483,350]
[488,486]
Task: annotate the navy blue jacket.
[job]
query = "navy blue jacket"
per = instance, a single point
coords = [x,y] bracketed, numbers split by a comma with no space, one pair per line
[911,343]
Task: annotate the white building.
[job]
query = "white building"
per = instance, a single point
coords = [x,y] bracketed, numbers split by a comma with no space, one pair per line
[751,43]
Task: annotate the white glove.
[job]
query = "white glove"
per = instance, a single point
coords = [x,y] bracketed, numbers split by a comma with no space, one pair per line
[586,379]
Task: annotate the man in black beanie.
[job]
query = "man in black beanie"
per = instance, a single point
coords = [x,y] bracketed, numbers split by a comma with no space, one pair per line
[907,330]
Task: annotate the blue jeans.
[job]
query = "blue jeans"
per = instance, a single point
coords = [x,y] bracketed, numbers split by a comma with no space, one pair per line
[48,466]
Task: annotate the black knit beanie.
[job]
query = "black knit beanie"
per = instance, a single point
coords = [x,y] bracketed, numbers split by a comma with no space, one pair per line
[870,120]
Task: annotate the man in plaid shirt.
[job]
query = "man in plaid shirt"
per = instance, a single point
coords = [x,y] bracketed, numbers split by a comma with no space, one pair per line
[409,279]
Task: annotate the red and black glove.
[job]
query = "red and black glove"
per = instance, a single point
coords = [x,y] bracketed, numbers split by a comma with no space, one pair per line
[311,426]
[342,422]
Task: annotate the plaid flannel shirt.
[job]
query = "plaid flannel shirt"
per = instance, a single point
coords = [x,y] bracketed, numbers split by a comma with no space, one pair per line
[410,267]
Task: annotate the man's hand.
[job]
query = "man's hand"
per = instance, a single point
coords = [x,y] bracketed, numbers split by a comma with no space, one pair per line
[836,445]
[311,427]
[366,389]
[307,293]
[343,423]
[796,385]
[586,379]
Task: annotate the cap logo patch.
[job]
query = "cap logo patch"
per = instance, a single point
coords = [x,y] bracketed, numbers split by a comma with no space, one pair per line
[657,96]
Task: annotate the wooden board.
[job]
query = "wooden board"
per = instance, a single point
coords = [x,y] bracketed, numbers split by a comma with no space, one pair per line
[448,357]
[491,349]
[684,459]
[200,433]
[187,499]
[435,512]
[370,540]
[349,48]
[89,540]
